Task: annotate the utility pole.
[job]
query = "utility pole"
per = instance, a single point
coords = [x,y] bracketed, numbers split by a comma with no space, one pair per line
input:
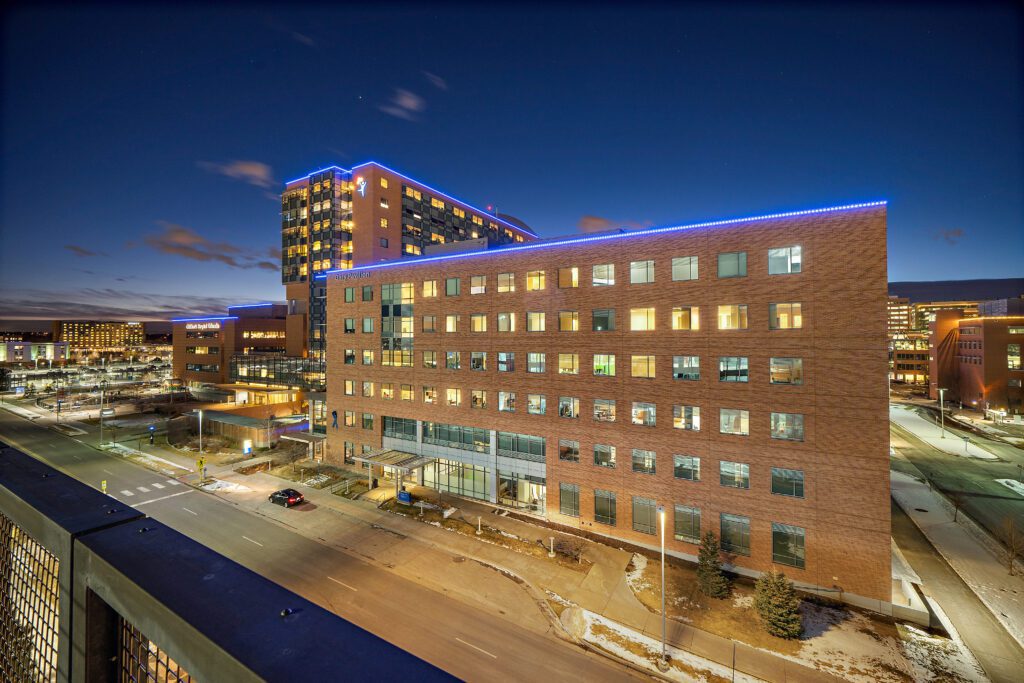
[663,661]
[942,412]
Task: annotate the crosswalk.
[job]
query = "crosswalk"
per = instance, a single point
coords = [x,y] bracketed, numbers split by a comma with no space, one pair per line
[128,493]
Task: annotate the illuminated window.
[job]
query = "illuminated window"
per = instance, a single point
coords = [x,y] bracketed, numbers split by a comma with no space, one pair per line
[603,275]
[478,322]
[684,268]
[568,321]
[387,391]
[429,323]
[506,401]
[478,360]
[644,414]
[734,421]
[642,366]
[367,357]
[604,364]
[430,288]
[568,277]
[383,203]
[429,395]
[1013,356]
[536,362]
[453,360]
[785,316]
[383,222]
[686,318]
[506,282]
[507,322]
[451,323]
[568,364]
[784,261]
[454,398]
[478,399]
[732,317]
[478,284]
[367,389]
[604,410]
[786,371]
[534,280]
[569,407]
[384,183]
[641,272]
[641,319]
[535,321]
[430,360]
[407,392]
[536,404]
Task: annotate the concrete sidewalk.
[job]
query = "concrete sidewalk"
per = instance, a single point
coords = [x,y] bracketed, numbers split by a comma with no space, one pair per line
[966,549]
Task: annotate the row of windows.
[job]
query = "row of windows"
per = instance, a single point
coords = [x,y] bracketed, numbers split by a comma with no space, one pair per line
[788,541]
[730,368]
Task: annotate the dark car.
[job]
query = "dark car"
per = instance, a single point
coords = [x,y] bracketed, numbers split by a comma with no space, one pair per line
[286,497]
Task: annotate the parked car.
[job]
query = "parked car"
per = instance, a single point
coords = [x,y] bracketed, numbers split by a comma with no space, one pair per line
[286,497]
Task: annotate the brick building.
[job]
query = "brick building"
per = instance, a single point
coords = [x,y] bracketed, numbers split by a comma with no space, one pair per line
[732,371]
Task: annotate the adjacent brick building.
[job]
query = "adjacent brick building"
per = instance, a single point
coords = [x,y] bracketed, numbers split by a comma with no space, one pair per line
[733,372]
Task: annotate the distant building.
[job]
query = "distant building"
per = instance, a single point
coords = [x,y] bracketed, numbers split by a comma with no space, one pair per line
[924,311]
[98,336]
[909,358]
[30,352]
[1001,307]
[899,316]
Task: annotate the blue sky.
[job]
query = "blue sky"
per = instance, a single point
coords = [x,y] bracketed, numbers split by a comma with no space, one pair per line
[138,144]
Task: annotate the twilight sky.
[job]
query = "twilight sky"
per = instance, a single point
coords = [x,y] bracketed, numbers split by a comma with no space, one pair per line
[144,149]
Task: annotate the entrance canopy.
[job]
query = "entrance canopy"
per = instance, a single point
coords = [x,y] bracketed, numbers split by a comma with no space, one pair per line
[304,437]
[398,460]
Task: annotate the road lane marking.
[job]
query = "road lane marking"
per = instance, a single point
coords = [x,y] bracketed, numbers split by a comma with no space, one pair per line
[143,489]
[252,541]
[109,472]
[476,648]
[157,486]
[342,583]
[187,510]
[153,500]
[174,482]
[126,492]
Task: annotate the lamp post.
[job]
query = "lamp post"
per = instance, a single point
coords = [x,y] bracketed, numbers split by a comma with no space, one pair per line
[942,412]
[200,433]
[663,661]
[103,386]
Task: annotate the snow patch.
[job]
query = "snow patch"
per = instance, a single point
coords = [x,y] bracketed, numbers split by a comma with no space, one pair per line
[932,434]
[743,601]
[635,578]
[1013,485]
[227,486]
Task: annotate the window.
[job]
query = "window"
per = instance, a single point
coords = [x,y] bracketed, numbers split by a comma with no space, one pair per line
[367,325]
[478,360]
[734,474]
[686,467]
[478,322]
[568,407]
[350,294]
[686,417]
[604,364]
[478,284]
[452,286]
[687,524]
[641,272]
[732,264]
[478,399]
[604,507]
[684,268]
[451,323]
[367,357]
[603,275]
[734,421]
[786,371]
[642,366]
[732,317]
[384,183]
[643,461]
[506,361]
[350,356]
[406,392]
[604,410]
[641,319]
[603,319]
[686,368]
[383,203]
[784,317]
[534,280]
[368,389]
[429,395]
[429,323]
[788,482]
[569,499]
[536,404]
[735,534]
[430,359]
[507,401]
[535,321]
[604,456]
[367,421]
[350,418]
[643,414]
[788,545]
[568,364]
[387,390]
[568,321]
[568,450]
[686,318]
[568,277]
[350,387]
[367,292]
[1013,356]
[429,288]
[732,369]
[784,260]
[536,362]
[507,322]
[788,426]
[350,325]
[1014,330]
[506,282]
[454,397]
[453,360]
[645,516]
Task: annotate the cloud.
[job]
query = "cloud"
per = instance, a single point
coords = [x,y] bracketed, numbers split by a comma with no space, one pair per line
[436,80]
[303,38]
[404,105]
[109,304]
[590,223]
[179,240]
[252,172]
[82,251]
[951,235]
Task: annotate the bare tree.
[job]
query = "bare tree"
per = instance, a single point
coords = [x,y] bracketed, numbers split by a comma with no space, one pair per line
[1013,541]
[957,499]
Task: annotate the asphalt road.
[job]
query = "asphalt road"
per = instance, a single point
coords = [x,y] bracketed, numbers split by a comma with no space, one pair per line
[464,641]
[999,654]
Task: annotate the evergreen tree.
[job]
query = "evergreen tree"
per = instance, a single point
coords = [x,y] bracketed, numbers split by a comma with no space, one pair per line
[778,605]
[710,579]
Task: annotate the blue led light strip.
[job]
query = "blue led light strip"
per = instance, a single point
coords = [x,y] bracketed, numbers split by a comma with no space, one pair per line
[268,303]
[321,170]
[446,196]
[600,238]
[199,320]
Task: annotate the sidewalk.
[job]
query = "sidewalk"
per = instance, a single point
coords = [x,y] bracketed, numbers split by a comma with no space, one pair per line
[932,434]
[966,550]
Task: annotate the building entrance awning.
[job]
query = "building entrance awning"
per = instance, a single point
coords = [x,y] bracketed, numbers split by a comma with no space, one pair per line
[398,460]
[304,437]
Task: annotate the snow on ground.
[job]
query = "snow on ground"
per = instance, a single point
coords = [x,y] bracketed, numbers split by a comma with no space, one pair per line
[228,486]
[743,601]
[931,434]
[935,658]
[635,579]
[1013,485]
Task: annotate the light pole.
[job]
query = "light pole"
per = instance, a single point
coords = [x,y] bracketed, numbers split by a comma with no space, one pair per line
[103,386]
[663,661]
[942,412]
[200,433]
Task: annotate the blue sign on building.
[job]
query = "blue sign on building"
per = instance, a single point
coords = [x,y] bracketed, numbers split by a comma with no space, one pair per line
[405,497]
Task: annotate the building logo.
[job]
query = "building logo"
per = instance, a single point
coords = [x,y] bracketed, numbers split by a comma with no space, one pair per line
[361,186]
[202,326]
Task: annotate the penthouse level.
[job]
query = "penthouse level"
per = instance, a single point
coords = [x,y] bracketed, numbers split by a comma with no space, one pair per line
[733,371]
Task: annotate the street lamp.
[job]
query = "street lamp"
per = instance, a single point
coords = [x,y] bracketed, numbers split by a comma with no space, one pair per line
[103,386]
[942,412]
[200,433]
[663,661]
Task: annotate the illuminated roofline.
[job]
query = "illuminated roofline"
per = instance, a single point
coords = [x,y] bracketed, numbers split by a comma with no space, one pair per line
[321,170]
[601,238]
[199,320]
[268,303]
[447,196]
